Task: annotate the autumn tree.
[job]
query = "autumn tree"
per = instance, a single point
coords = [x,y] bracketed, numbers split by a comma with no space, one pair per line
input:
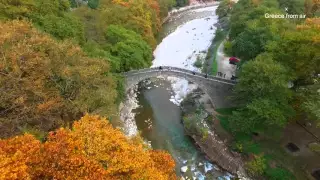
[92,150]
[300,51]
[45,84]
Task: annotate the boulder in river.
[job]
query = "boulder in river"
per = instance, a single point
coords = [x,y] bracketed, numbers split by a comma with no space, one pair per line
[184,169]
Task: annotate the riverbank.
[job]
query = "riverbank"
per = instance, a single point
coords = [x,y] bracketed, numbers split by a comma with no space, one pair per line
[199,121]
[175,12]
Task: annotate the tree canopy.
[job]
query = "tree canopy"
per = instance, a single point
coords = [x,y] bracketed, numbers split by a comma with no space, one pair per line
[283,51]
[45,83]
[264,94]
[93,149]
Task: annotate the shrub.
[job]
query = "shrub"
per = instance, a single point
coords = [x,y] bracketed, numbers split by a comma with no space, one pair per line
[93,4]
[198,62]
[257,166]
[315,147]
[228,48]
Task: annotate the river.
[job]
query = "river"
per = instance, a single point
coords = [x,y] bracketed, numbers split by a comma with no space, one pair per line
[154,103]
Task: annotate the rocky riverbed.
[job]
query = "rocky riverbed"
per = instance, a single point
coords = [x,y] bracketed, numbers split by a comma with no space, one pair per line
[198,118]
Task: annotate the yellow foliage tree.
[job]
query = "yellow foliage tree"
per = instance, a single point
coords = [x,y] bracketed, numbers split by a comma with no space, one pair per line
[45,83]
[93,149]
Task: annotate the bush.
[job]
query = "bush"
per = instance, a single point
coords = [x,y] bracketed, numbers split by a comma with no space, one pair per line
[257,166]
[198,62]
[228,48]
[93,4]
[315,147]
[192,123]
[224,8]
[220,34]
[181,3]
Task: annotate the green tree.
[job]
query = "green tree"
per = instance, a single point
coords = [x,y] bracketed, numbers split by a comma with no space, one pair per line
[62,27]
[263,91]
[16,9]
[224,8]
[310,98]
[294,6]
[128,48]
[73,3]
[165,6]
[93,4]
[181,3]
[255,31]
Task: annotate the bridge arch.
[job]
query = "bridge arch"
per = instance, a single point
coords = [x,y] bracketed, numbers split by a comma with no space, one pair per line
[217,88]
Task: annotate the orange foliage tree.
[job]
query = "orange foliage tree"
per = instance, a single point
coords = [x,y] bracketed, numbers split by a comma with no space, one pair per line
[93,149]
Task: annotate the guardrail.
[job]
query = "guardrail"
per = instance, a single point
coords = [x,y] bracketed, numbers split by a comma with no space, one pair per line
[176,69]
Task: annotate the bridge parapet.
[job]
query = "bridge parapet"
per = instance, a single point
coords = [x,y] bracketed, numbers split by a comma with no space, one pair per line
[169,68]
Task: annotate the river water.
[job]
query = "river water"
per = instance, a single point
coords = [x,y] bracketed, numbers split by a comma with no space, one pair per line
[155,102]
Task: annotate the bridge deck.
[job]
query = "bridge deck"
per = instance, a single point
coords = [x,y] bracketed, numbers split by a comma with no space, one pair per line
[179,70]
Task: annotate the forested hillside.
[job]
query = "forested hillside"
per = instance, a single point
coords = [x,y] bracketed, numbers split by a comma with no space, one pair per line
[59,60]
[278,79]
[60,57]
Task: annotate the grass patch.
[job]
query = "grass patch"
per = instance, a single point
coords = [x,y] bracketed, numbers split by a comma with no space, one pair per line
[214,68]
[212,51]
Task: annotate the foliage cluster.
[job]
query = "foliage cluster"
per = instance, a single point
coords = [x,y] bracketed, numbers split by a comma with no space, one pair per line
[49,15]
[198,62]
[93,149]
[45,84]
[224,8]
[195,124]
[274,53]
[257,165]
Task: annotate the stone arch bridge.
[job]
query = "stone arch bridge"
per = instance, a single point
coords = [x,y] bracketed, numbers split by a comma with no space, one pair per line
[218,89]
